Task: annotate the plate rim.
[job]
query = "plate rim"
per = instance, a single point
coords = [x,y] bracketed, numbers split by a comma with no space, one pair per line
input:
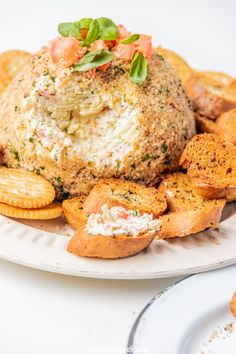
[159,296]
[103,274]
[130,348]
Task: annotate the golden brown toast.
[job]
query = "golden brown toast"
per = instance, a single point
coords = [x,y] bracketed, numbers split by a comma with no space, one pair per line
[189,212]
[233,305]
[211,163]
[129,195]
[73,210]
[11,62]
[86,245]
[181,67]
[204,124]
[211,94]
[185,223]
[226,126]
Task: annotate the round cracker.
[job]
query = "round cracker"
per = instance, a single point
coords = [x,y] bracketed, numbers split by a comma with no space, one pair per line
[11,63]
[51,211]
[24,189]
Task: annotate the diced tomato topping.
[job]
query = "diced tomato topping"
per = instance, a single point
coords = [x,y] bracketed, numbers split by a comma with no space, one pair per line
[123,215]
[123,32]
[99,44]
[66,51]
[144,45]
[104,66]
[124,51]
[111,44]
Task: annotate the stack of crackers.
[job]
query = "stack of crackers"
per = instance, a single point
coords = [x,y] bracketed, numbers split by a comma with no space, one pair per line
[26,195]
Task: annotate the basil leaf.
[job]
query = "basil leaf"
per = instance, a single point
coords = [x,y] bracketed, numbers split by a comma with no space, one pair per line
[93,60]
[130,39]
[93,33]
[84,23]
[69,29]
[138,69]
[109,30]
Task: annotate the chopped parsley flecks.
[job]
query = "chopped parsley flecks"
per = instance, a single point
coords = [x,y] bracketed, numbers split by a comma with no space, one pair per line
[136,213]
[58,179]
[164,147]
[31,139]
[146,157]
[60,188]
[167,159]
[46,73]
[16,154]
[53,78]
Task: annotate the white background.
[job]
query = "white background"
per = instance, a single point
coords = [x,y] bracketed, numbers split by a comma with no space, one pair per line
[44,313]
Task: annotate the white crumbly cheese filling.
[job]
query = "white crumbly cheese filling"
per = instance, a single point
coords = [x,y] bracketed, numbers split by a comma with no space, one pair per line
[119,221]
[98,127]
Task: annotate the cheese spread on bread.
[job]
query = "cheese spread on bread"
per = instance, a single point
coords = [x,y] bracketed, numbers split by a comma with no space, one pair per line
[118,221]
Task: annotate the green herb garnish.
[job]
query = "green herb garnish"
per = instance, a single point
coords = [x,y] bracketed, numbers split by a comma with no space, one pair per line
[109,30]
[138,69]
[58,179]
[167,160]
[146,157]
[136,213]
[16,154]
[130,39]
[31,139]
[93,32]
[164,147]
[93,60]
[100,28]
[69,29]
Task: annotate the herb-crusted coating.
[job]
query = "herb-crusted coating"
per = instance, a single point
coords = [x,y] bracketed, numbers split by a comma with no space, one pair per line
[75,128]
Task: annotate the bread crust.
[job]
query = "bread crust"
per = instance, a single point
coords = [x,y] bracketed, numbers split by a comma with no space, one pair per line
[226,126]
[211,163]
[103,193]
[185,223]
[189,212]
[98,246]
[204,124]
[206,190]
[73,211]
[210,96]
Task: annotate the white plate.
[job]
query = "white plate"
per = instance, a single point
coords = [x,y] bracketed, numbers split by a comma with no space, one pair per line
[29,244]
[190,317]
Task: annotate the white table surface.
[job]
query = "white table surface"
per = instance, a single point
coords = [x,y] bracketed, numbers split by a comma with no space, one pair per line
[45,313]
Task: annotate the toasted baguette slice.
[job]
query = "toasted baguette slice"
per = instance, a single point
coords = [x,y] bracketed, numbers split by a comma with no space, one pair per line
[181,196]
[226,126]
[233,305]
[225,79]
[211,163]
[73,210]
[190,213]
[181,67]
[11,63]
[185,223]
[204,124]
[86,245]
[129,195]
[211,95]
